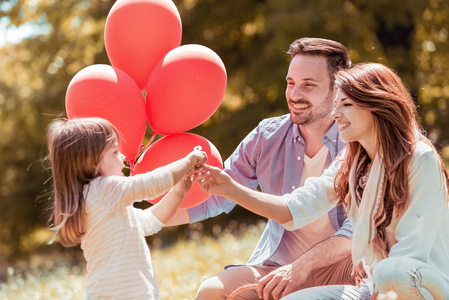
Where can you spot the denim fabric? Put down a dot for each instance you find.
(410, 279)
(332, 292)
(272, 157)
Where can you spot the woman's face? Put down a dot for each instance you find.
(112, 162)
(355, 124)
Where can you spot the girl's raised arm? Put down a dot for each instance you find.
(168, 205)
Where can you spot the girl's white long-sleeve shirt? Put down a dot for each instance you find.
(118, 258)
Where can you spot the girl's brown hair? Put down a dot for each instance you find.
(379, 89)
(75, 151)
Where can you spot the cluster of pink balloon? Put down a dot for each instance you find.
(184, 86)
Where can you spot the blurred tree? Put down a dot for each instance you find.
(35, 74)
(250, 36)
(430, 50)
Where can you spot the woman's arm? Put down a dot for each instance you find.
(217, 182)
(314, 199)
(303, 206)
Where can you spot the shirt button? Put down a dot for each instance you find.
(335, 141)
(299, 139)
(293, 187)
(298, 158)
(418, 215)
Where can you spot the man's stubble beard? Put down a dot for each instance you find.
(313, 117)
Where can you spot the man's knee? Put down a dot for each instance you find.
(223, 284)
(211, 288)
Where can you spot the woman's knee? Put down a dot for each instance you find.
(389, 270)
(409, 278)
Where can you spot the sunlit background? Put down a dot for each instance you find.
(44, 43)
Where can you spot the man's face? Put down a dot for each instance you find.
(308, 93)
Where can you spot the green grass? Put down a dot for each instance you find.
(179, 269)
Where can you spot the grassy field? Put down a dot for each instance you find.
(179, 269)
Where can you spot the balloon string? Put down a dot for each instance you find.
(144, 148)
(131, 166)
(132, 162)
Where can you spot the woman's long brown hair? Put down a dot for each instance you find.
(75, 151)
(377, 88)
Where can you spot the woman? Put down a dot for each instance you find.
(390, 179)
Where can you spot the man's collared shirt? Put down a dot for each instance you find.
(272, 157)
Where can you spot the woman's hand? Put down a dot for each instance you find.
(214, 181)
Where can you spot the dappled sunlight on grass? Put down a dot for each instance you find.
(179, 269)
(64, 282)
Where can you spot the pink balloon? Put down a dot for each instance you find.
(174, 147)
(140, 32)
(109, 93)
(185, 89)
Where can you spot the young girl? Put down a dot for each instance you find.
(93, 206)
(390, 179)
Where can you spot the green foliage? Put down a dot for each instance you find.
(250, 36)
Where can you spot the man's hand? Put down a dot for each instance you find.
(282, 281)
(289, 278)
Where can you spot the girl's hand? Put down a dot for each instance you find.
(184, 185)
(213, 180)
(192, 163)
(197, 158)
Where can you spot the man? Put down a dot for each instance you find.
(278, 156)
